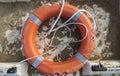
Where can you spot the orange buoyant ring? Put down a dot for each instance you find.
(29, 33)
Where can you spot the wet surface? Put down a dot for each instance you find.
(62, 38)
(106, 13)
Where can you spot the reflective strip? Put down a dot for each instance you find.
(35, 19)
(11, 74)
(1, 74)
(81, 58)
(37, 61)
(77, 16)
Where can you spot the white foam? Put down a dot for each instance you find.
(102, 20)
(12, 36)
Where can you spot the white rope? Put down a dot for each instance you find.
(66, 21)
(94, 22)
(69, 31)
(52, 39)
(63, 3)
(81, 24)
(33, 57)
(63, 25)
(67, 43)
(50, 45)
(81, 10)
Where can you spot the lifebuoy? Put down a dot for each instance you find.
(29, 33)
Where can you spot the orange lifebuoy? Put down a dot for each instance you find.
(29, 33)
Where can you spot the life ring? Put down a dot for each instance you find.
(29, 33)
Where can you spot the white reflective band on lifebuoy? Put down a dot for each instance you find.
(81, 58)
(76, 17)
(35, 19)
(38, 61)
(10, 74)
